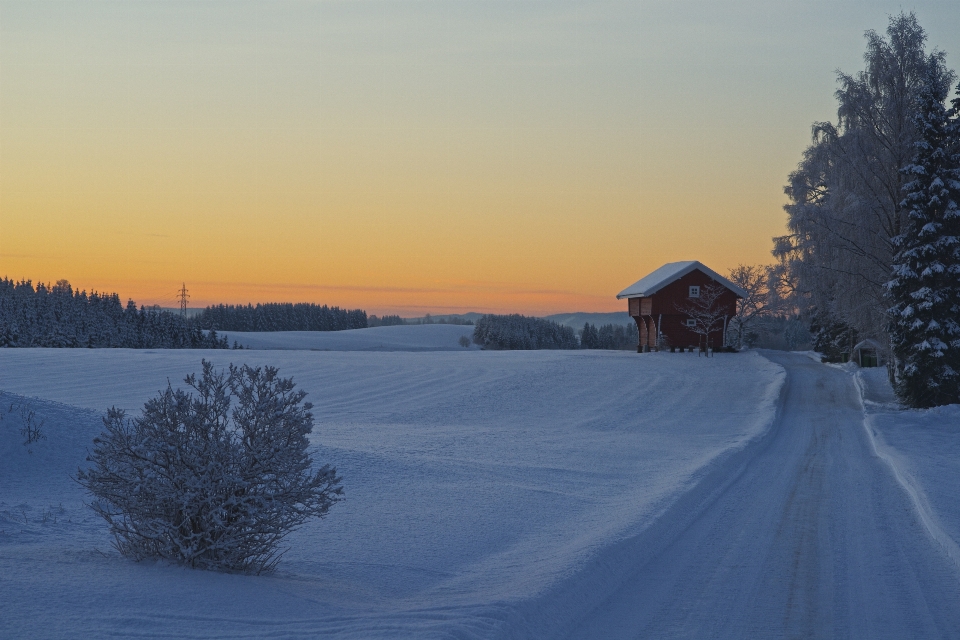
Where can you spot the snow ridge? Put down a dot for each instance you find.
(905, 479)
(552, 610)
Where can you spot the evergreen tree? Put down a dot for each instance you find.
(58, 316)
(925, 288)
(831, 336)
(589, 337)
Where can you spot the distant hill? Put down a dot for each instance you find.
(577, 320)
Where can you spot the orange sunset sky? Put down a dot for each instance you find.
(410, 157)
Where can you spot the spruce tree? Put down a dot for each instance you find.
(925, 288)
(589, 337)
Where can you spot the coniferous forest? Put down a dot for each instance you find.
(521, 332)
(58, 316)
(282, 316)
(609, 336)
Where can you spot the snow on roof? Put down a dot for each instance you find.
(671, 272)
(869, 343)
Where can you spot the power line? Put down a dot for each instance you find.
(183, 295)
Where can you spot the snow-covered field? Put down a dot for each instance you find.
(427, 337)
(475, 482)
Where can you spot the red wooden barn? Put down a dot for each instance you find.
(656, 301)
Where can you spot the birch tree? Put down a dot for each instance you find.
(845, 198)
(755, 280)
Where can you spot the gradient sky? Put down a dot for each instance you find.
(410, 157)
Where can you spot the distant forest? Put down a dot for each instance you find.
(609, 336)
(517, 332)
(58, 316)
(521, 332)
(390, 321)
(280, 316)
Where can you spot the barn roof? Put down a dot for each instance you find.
(671, 272)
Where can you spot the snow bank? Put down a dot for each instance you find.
(473, 480)
(923, 448)
(426, 337)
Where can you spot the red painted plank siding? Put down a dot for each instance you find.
(661, 308)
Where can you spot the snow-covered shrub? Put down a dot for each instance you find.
(32, 427)
(197, 481)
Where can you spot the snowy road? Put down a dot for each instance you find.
(805, 534)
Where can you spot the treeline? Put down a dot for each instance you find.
(874, 243)
(280, 316)
(428, 319)
(384, 321)
(517, 332)
(609, 336)
(390, 321)
(522, 332)
(58, 316)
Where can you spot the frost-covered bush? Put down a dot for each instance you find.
(207, 482)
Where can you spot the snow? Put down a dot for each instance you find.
(519, 494)
(671, 272)
(923, 449)
(804, 533)
(428, 337)
(475, 482)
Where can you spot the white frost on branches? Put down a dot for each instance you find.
(197, 481)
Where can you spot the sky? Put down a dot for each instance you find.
(410, 157)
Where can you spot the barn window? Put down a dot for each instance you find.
(691, 322)
(695, 291)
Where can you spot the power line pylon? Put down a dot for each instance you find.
(183, 295)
